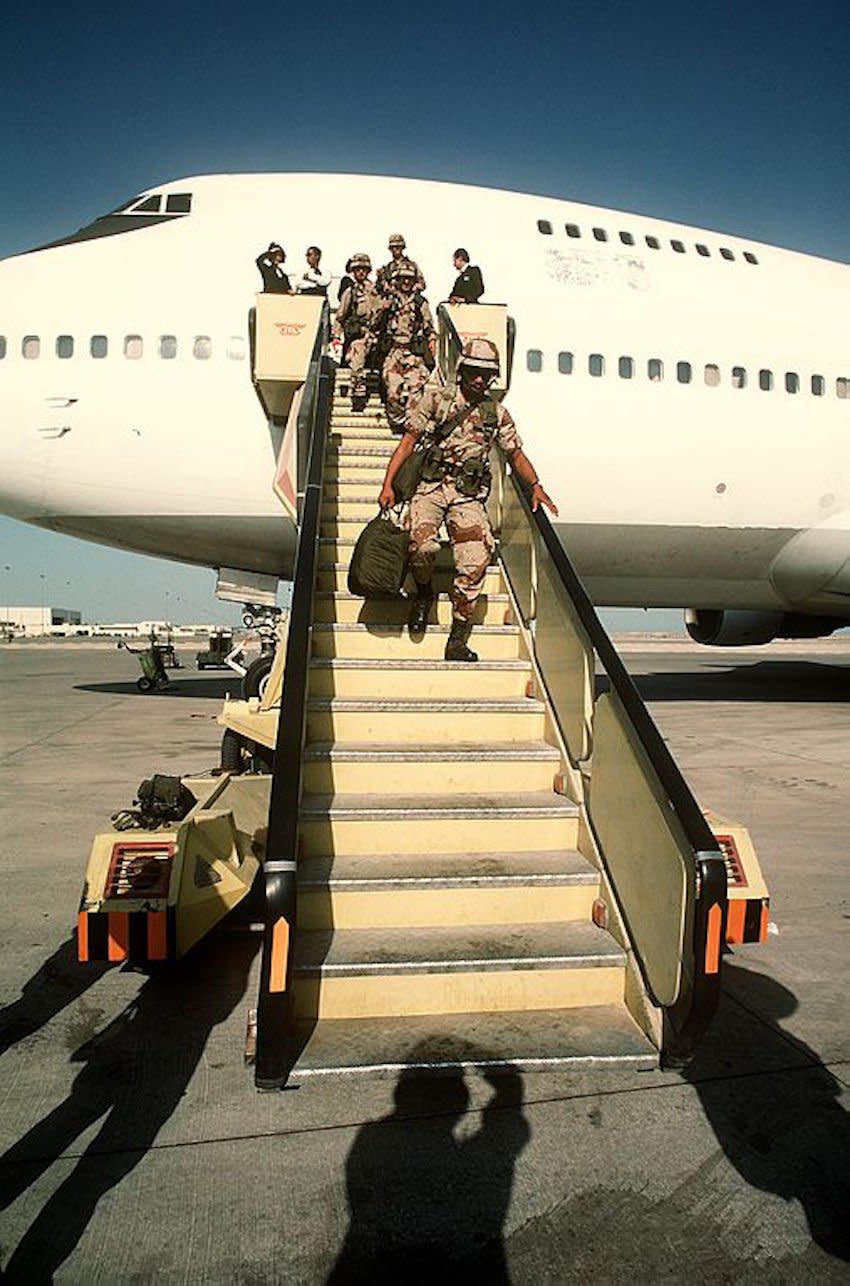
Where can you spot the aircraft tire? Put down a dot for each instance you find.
(144, 684)
(256, 676)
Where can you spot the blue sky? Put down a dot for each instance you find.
(723, 115)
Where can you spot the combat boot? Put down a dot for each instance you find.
(421, 609)
(456, 649)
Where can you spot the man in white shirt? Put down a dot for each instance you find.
(313, 281)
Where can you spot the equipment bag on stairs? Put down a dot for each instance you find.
(379, 562)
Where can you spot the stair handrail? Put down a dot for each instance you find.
(699, 991)
(275, 1007)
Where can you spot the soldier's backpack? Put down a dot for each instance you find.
(379, 562)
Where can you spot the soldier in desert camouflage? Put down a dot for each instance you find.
(459, 426)
(385, 281)
(410, 337)
(356, 319)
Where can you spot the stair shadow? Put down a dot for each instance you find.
(134, 1075)
(374, 613)
(783, 1129)
(423, 1201)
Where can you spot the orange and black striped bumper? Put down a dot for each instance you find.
(746, 920)
(140, 937)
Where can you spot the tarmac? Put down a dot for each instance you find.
(135, 1149)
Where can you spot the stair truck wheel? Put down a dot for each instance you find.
(233, 752)
(257, 676)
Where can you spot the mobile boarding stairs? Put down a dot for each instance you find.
(461, 865)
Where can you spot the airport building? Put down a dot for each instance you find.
(35, 622)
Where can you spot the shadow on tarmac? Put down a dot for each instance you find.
(784, 1131)
(135, 1074)
(427, 1204)
(764, 681)
(216, 689)
(57, 983)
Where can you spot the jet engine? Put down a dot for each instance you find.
(738, 628)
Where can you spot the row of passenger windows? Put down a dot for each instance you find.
(601, 234)
(739, 377)
(132, 347)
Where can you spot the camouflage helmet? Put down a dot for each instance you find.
(396, 240)
(481, 353)
(361, 260)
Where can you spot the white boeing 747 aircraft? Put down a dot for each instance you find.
(685, 395)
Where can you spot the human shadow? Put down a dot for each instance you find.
(782, 1128)
(790, 682)
(135, 1073)
(57, 983)
(425, 1204)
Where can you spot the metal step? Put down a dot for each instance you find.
(595, 1037)
(385, 640)
(411, 871)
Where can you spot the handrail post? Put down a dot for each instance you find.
(275, 1006)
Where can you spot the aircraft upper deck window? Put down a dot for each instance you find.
(726, 252)
(178, 203)
(168, 346)
(703, 250)
(765, 380)
(655, 370)
(683, 372)
(596, 364)
(600, 234)
(750, 257)
(712, 375)
(2, 347)
(626, 368)
(236, 348)
(534, 360)
(565, 363)
(792, 382)
(652, 242)
(544, 226)
(678, 246)
(627, 239)
(572, 229)
(98, 345)
(818, 385)
(133, 346)
(64, 345)
(739, 377)
(202, 347)
(149, 206)
(30, 347)
(842, 387)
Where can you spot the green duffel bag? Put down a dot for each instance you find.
(379, 562)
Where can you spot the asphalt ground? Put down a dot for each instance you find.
(135, 1149)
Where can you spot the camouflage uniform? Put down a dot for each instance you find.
(360, 302)
(409, 327)
(385, 277)
(437, 503)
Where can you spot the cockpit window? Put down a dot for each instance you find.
(149, 206)
(178, 203)
(125, 205)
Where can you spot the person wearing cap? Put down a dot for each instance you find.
(313, 281)
(385, 279)
(458, 426)
(469, 286)
(270, 264)
(355, 321)
(408, 334)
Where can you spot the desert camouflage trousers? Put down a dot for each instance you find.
(404, 373)
(358, 351)
(470, 534)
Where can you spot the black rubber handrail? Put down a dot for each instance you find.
(275, 1007)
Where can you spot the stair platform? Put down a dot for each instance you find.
(595, 1037)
